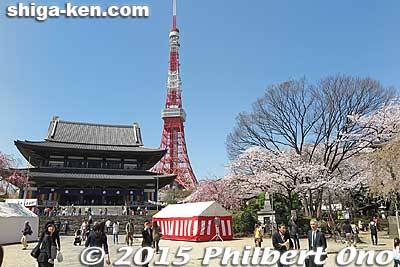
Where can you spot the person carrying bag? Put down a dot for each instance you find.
(46, 251)
(27, 231)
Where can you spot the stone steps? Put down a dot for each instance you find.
(74, 222)
(111, 210)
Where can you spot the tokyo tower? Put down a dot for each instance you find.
(176, 160)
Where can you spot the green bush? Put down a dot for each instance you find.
(304, 224)
(243, 222)
(245, 219)
(324, 226)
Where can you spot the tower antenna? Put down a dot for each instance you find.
(173, 14)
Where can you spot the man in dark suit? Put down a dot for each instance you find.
(147, 240)
(281, 241)
(316, 239)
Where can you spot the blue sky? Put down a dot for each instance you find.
(114, 70)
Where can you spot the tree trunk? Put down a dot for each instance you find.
(319, 204)
(330, 209)
(306, 206)
(311, 203)
(290, 202)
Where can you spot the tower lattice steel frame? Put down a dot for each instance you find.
(176, 160)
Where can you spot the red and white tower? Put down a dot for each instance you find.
(176, 160)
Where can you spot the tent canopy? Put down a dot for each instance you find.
(12, 220)
(15, 210)
(209, 208)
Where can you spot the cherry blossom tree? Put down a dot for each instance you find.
(384, 174)
(18, 178)
(222, 191)
(285, 173)
(259, 170)
(5, 164)
(378, 127)
(312, 118)
(380, 131)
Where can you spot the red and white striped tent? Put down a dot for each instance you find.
(194, 221)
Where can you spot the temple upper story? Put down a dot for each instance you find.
(92, 146)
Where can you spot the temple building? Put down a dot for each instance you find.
(92, 164)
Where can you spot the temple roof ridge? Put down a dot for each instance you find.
(97, 124)
(94, 133)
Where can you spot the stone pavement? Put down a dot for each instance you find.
(15, 257)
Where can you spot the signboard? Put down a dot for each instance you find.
(346, 215)
(28, 202)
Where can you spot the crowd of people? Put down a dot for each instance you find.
(285, 239)
(72, 210)
(348, 232)
(92, 233)
(48, 248)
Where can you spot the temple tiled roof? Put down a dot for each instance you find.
(90, 139)
(93, 134)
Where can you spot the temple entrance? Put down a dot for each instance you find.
(92, 199)
(114, 200)
(66, 199)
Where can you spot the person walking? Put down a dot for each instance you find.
(374, 231)
(97, 238)
(294, 232)
(66, 227)
(348, 231)
(396, 252)
(316, 239)
(55, 235)
(156, 236)
(129, 229)
(147, 240)
(90, 221)
(258, 235)
(84, 229)
(355, 231)
(47, 248)
(108, 226)
(281, 242)
(115, 232)
(25, 232)
(375, 219)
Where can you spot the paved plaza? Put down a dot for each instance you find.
(15, 257)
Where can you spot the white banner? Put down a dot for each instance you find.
(28, 202)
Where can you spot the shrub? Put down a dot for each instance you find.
(243, 222)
